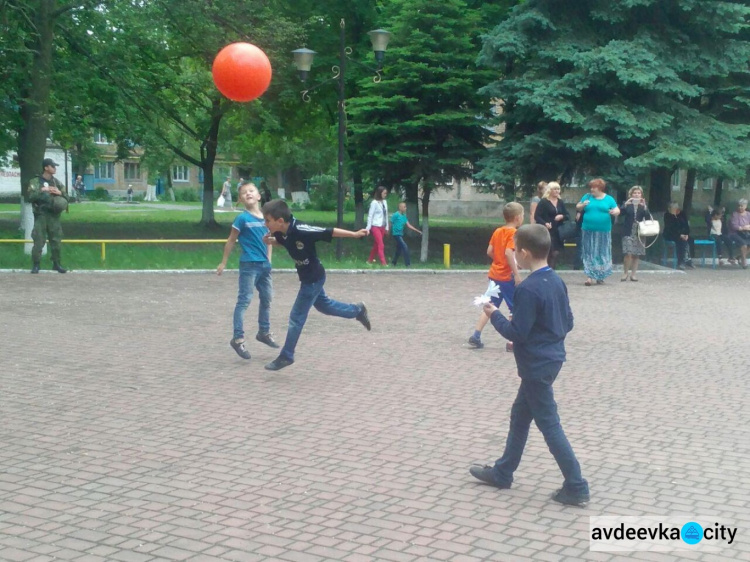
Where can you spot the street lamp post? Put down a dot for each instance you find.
(303, 61)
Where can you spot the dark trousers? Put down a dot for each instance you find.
(684, 250)
(312, 295)
(536, 402)
(401, 248)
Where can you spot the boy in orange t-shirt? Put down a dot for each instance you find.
(504, 271)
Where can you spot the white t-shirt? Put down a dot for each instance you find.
(716, 227)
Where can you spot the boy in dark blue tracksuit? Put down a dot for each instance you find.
(541, 320)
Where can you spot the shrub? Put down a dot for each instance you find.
(323, 192)
(187, 195)
(10, 199)
(99, 194)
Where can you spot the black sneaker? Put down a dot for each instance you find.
(487, 475)
(565, 497)
(35, 268)
(475, 342)
(363, 318)
(60, 269)
(267, 339)
(240, 348)
(279, 363)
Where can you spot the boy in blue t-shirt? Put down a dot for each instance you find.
(255, 269)
(541, 320)
(398, 222)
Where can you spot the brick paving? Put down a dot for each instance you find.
(131, 431)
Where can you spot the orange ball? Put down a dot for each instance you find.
(241, 71)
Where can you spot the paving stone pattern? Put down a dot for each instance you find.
(131, 432)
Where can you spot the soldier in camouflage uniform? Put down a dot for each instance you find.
(49, 199)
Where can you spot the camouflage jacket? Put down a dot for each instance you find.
(41, 201)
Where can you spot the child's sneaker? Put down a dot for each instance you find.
(487, 475)
(565, 497)
(239, 347)
(267, 339)
(279, 363)
(362, 317)
(475, 343)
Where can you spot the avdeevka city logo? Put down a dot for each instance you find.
(657, 533)
(692, 533)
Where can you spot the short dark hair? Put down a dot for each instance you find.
(534, 238)
(277, 209)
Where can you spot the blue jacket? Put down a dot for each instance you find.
(541, 320)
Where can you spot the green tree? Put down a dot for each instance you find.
(601, 87)
(156, 58)
(425, 122)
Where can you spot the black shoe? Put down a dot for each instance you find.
(475, 342)
(239, 347)
(363, 318)
(689, 265)
(60, 269)
(35, 268)
(279, 363)
(565, 497)
(267, 339)
(487, 475)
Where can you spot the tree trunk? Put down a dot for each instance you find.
(687, 202)
(426, 191)
(34, 109)
(412, 203)
(660, 189)
(718, 191)
(208, 157)
(359, 200)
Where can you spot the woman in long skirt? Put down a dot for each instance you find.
(596, 232)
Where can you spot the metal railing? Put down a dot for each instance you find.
(104, 243)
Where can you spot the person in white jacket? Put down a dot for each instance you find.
(377, 224)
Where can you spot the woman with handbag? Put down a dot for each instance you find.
(634, 210)
(596, 232)
(551, 213)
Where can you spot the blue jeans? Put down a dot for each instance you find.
(401, 247)
(254, 274)
(312, 295)
(536, 401)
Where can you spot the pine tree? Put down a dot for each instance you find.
(424, 123)
(618, 87)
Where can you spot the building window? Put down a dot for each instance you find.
(99, 138)
(708, 184)
(104, 171)
(132, 171)
(180, 173)
(676, 180)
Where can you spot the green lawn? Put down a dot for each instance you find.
(94, 221)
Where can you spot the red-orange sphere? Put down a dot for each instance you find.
(241, 71)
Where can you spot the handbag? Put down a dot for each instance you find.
(220, 201)
(567, 230)
(647, 228)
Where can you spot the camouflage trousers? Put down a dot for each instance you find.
(46, 227)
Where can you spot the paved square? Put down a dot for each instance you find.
(132, 432)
